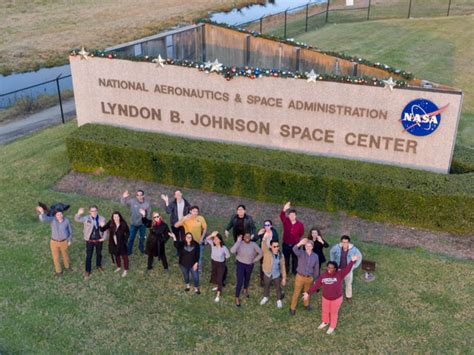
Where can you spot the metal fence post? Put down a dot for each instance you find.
(368, 10)
(327, 11)
(284, 33)
(261, 24)
(449, 7)
(409, 10)
(306, 19)
(59, 97)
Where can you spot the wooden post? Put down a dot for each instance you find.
(306, 19)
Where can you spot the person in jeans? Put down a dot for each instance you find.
(177, 209)
(307, 271)
(269, 232)
(293, 230)
(157, 237)
(319, 243)
(273, 269)
(188, 259)
(136, 225)
(61, 237)
(331, 281)
(196, 225)
(118, 238)
(240, 223)
(94, 237)
(342, 254)
(248, 253)
(219, 254)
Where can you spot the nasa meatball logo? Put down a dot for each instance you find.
(421, 117)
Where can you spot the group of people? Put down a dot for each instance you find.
(299, 256)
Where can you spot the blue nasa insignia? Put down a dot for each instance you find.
(421, 117)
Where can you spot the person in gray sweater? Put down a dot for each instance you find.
(136, 225)
(248, 253)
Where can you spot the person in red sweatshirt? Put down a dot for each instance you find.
(331, 281)
(293, 230)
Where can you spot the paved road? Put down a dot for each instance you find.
(37, 121)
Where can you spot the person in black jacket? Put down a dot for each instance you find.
(241, 223)
(177, 209)
(118, 239)
(157, 237)
(319, 243)
(188, 251)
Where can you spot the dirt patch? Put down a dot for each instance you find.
(219, 205)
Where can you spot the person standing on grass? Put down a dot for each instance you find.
(61, 237)
(342, 254)
(196, 225)
(240, 223)
(157, 237)
(188, 252)
(273, 269)
(93, 236)
(331, 281)
(219, 254)
(118, 238)
(248, 253)
(319, 243)
(177, 209)
(269, 232)
(136, 224)
(293, 230)
(307, 272)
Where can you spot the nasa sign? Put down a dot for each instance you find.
(402, 127)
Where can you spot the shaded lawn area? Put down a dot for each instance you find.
(420, 302)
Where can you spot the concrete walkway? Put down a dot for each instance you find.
(37, 121)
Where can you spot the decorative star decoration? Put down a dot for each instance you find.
(216, 66)
(207, 64)
(312, 76)
(159, 61)
(83, 54)
(389, 83)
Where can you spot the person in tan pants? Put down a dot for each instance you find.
(61, 237)
(306, 272)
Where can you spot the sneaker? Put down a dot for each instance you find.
(100, 269)
(117, 269)
(279, 304)
(58, 274)
(330, 331)
(263, 301)
(292, 312)
(237, 302)
(217, 299)
(125, 272)
(308, 308)
(87, 275)
(322, 325)
(197, 291)
(214, 289)
(349, 300)
(187, 288)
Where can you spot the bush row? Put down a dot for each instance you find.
(373, 191)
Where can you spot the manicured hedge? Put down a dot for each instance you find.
(379, 192)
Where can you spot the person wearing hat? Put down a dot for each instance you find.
(93, 236)
(61, 237)
(306, 272)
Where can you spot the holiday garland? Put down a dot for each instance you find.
(230, 72)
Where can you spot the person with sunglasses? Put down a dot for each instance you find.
(269, 232)
(136, 225)
(274, 270)
(157, 237)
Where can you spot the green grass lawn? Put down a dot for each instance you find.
(420, 302)
(435, 49)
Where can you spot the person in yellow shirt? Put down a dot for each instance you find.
(196, 225)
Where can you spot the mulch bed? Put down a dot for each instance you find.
(220, 205)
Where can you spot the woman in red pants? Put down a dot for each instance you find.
(331, 281)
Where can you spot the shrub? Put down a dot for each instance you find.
(373, 191)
